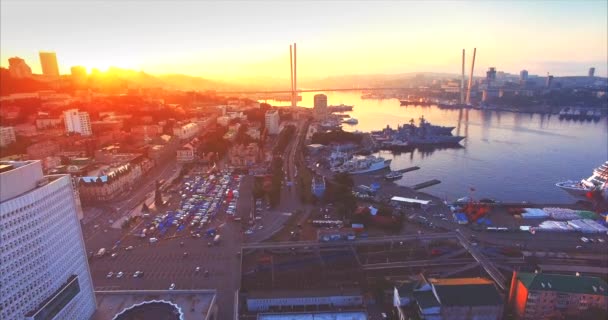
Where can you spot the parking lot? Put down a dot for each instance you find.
(177, 229)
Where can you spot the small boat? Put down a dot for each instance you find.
(351, 121)
(393, 175)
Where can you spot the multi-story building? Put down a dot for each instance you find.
(79, 74)
(48, 61)
(113, 181)
(320, 106)
(77, 122)
(7, 136)
(542, 295)
(43, 262)
(17, 68)
(272, 121)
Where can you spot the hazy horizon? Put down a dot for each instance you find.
(240, 40)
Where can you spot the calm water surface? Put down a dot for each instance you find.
(506, 156)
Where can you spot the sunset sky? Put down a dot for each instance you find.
(223, 40)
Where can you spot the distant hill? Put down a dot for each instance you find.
(370, 80)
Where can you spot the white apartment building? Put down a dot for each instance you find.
(7, 136)
(77, 122)
(186, 131)
(43, 262)
(272, 121)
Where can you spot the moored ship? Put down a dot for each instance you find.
(363, 164)
(582, 189)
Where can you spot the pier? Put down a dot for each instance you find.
(426, 184)
(408, 169)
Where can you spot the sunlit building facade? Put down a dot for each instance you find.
(77, 122)
(272, 121)
(48, 61)
(17, 68)
(43, 263)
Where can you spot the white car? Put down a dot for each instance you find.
(110, 274)
(600, 240)
(129, 248)
(172, 286)
(119, 275)
(585, 240)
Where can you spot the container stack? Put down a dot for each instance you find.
(555, 226)
(587, 226)
(562, 213)
(534, 213)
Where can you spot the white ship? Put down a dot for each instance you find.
(580, 189)
(363, 164)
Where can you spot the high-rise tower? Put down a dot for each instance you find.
(44, 270)
(48, 61)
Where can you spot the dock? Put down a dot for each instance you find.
(426, 184)
(408, 169)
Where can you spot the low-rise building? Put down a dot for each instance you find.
(25, 130)
(156, 304)
(7, 136)
(457, 298)
(258, 301)
(111, 181)
(540, 295)
(244, 156)
(186, 131)
(186, 153)
(47, 122)
(318, 186)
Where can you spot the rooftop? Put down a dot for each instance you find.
(468, 294)
(151, 310)
(269, 294)
(352, 315)
(563, 283)
(193, 304)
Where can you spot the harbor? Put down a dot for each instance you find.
(496, 145)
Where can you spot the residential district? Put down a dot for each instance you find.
(129, 203)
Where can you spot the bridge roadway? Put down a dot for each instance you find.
(487, 265)
(309, 90)
(302, 244)
(432, 263)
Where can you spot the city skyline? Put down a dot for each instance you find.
(194, 43)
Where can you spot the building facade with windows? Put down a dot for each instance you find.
(43, 262)
(77, 122)
(272, 121)
(7, 136)
(540, 295)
